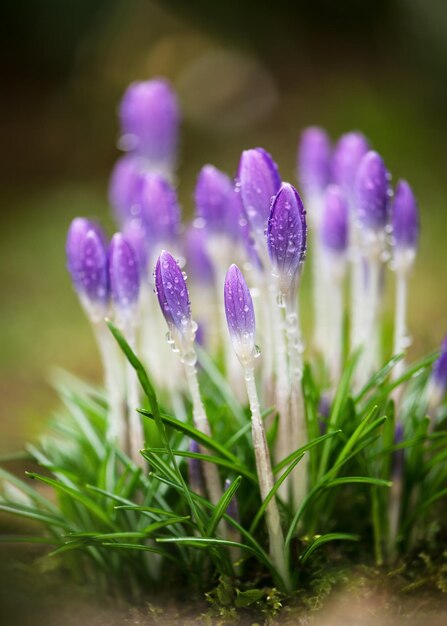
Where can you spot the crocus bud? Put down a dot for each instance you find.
(287, 237)
(313, 160)
(213, 196)
(348, 152)
(136, 234)
(372, 192)
(124, 186)
(240, 315)
(259, 181)
(198, 261)
(405, 217)
(173, 297)
(150, 116)
(87, 263)
(124, 278)
(438, 381)
(334, 221)
(160, 209)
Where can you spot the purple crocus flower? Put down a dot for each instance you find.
(136, 234)
(287, 236)
(160, 210)
(87, 263)
(240, 314)
(124, 275)
(405, 217)
(313, 160)
(372, 192)
(259, 181)
(199, 263)
(124, 186)
(335, 221)
(150, 117)
(172, 293)
(213, 197)
(348, 152)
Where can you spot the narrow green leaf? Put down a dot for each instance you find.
(222, 506)
(322, 539)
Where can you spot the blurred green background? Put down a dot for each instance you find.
(248, 73)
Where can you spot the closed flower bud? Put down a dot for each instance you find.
(287, 236)
(259, 181)
(124, 276)
(136, 234)
(87, 263)
(334, 221)
(314, 157)
(405, 217)
(173, 294)
(124, 186)
(240, 315)
(349, 151)
(214, 197)
(372, 192)
(150, 117)
(199, 263)
(160, 209)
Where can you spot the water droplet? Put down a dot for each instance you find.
(256, 352)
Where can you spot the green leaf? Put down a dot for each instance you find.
(222, 506)
(34, 514)
(305, 448)
(248, 597)
(322, 539)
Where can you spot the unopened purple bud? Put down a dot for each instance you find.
(314, 157)
(372, 192)
(124, 275)
(240, 314)
(349, 151)
(335, 220)
(232, 508)
(198, 261)
(172, 292)
(213, 195)
(87, 263)
(259, 181)
(405, 217)
(124, 187)
(439, 375)
(150, 117)
(287, 236)
(136, 234)
(159, 208)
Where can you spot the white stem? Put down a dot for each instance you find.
(335, 272)
(370, 336)
(400, 321)
(298, 434)
(319, 292)
(136, 433)
(113, 380)
(211, 474)
(265, 476)
(357, 290)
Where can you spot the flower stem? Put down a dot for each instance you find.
(400, 321)
(265, 477)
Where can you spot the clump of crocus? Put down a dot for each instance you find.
(173, 297)
(241, 325)
(150, 117)
(405, 234)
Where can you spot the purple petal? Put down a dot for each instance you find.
(172, 292)
(124, 275)
(136, 234)
(348, 152)
(287, 235)
(335, 220)
(239, 306)
(440, 368)
(259, 181)
(198, 261)
(124, 186)
(160, 209)
(372, 192)
(213, 197)
(150, 117)
(405, 217)
(87, 260)
(314, 154)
